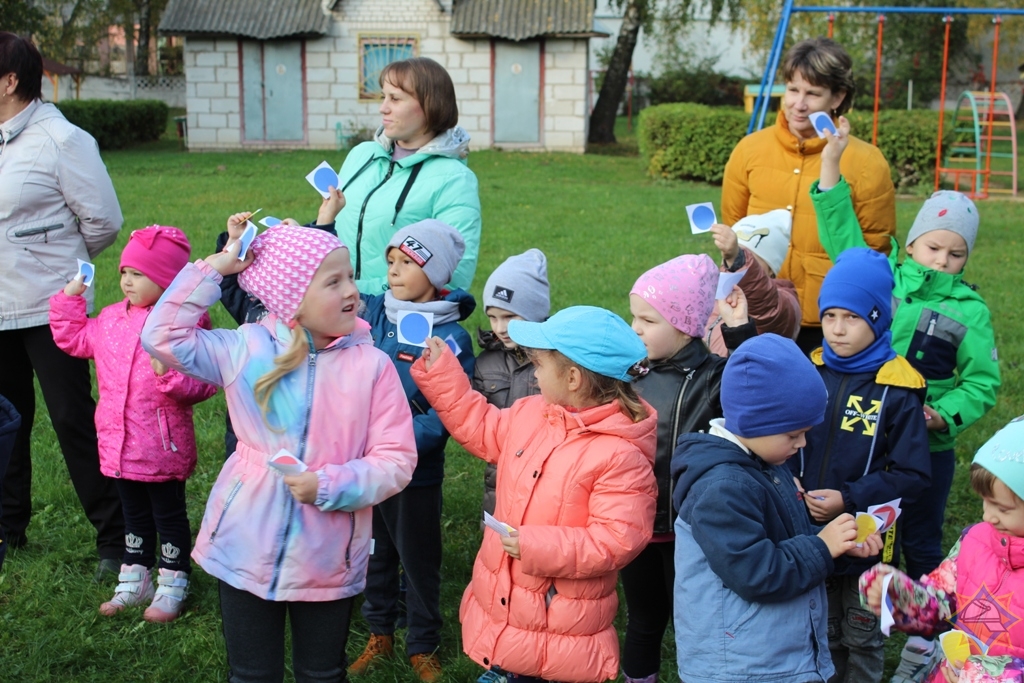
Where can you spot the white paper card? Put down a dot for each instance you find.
(887, 619)
(414, 327)
(87, 271)
(286, 463)
(321, 178)
(246, 239)
(452, 344)
(500, 528)
(702, 217)
(822, 122)
(726, 281)
(888, 513)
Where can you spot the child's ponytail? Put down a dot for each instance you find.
(287, 362)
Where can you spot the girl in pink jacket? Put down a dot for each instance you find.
(575, 495)
(147, 443)
(305, 380)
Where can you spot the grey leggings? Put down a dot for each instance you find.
(254, 634)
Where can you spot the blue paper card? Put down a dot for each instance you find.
(87, 271)
(269, 221)
(414, 327)
(823, 122)
(452, 344)
(322, 178)
(702, 217)
(246, 239)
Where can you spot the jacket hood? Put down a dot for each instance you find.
(452, 143)
(609, 419)
(35, 111)
(489, 341)
(696, 454)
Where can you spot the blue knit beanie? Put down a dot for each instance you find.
(770, 387)
(861, 282)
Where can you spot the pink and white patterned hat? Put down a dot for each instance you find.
(682, 291)
(286, 258)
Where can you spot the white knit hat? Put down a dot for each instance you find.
(767, 235)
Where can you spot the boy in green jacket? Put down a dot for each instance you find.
(944, 328)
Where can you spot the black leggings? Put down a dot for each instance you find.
(151, 508)
(647, 582)
(254, 634)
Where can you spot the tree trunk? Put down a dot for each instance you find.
(142, 54)
(602, 120)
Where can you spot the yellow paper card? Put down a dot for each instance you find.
(956, 647)
(866, 525)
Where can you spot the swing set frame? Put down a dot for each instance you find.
(761, 104)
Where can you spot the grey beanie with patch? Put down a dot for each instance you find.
(947, 210)
(434, 246)
(520, 286)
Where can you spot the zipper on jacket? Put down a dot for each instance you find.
(291, 499)
(27, 232)
(362, 213)
(351, 535)
(675, 437)
(163, 424)
(224, 509)
(840, 396)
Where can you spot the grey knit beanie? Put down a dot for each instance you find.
(520, 285)
(435, 246)
(947, 210)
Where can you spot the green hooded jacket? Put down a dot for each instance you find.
(382, 195)
(940, 324)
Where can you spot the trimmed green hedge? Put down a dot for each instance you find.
(693, 142)
(118, 123)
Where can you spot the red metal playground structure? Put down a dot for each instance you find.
(988, 115)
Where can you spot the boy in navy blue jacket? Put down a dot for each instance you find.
(407, 527)
(749, 593)
(872, 446)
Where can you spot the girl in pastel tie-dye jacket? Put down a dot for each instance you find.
(306, 379)
(978, 589)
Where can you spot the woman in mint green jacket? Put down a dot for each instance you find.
(942, 326)
(414, 168)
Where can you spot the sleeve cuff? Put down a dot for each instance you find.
(322, 493)
(209, 271)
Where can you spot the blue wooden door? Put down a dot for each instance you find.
(517, 92)
(273, 95)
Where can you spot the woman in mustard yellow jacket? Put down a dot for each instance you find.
(774, 168)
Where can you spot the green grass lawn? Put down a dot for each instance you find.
(600, 220)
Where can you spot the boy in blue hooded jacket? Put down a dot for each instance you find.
(749, 595)
(872, 446)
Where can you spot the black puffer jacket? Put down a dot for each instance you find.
(10, 422)
(686, 392)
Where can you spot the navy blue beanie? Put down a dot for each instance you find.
(770, 387)
(861, 282)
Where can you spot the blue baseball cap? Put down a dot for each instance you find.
(591, 337)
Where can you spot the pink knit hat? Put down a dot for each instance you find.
(158, 252)
(285, 259)
(682, 291)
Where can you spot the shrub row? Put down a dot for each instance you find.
(118, 123)
(693, 141)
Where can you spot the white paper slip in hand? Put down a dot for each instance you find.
(414, 327)
(702, 217)
(322, 178)
(887, 619)
(502, 529)
(246, 239)
(87, 271)
(726, 281)
(822, 122)
(286, 463)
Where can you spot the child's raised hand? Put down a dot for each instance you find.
(435, 349)
(236, 225)
(226, 262)
(726, 242)
(511, 544)
(840, 535)
(824, 504)
(835, 145)
(76, 287)
(733, 308)
(158, 368)
(332, 205)
(874, 591)
(303, 486)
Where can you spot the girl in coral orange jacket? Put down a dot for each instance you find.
(576, 495)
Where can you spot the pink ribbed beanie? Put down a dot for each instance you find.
(682, 291)
(286, 258)
(158, 252)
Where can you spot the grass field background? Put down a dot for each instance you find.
(600, 221)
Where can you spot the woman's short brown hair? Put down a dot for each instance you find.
(19, 56)
(430, 84)
(824, 63)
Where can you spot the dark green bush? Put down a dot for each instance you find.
(695, 84)
(693, 142)
(118, 123)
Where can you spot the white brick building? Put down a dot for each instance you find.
(302, 73)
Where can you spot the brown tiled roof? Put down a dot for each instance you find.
(522, 19)
(259, 19)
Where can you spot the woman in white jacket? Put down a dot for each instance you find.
(57, 204)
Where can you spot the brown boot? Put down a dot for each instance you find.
(377, 648)
(427, 666)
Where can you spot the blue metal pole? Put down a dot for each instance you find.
(917, 10)
(773, 65)
(766, 76)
